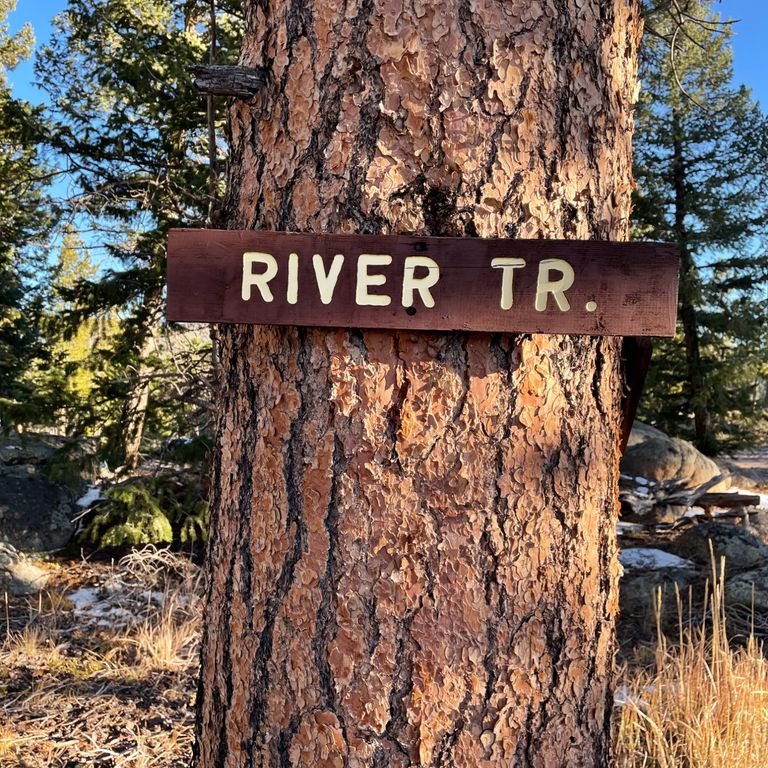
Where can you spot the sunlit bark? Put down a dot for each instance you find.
(412, 557)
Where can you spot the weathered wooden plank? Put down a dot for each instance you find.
(228, 80)
(424, 283)
(725, 500)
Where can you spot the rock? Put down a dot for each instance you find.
(685, 563)
(642, 432)
(740, 548)
(665, 513)
(637, 597)
(35, 515)
(758, 524)
(749, 589)
(29, 449)
(18, 575)
(40, 477)
(660, 458)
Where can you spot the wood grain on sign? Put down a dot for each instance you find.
(424, 283)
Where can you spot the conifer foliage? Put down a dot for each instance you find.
(132, 131)
(701, 156)
(24, 218)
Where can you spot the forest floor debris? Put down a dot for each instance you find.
(100, 668)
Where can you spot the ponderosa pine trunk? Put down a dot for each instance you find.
(412, 558)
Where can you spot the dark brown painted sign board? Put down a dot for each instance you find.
(422, 283)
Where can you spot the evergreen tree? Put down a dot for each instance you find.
(701, 152)
(76, 342)
(25, 219)
(133, 131)
(412, 551)
(74, 350)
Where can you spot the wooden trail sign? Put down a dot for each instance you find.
(424, 283)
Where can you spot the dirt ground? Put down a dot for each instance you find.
(99, 670)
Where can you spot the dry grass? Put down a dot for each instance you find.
(30, 643)
(168, 640)
(112, 686)
(75, 692)
(704, 704)
(167, 636)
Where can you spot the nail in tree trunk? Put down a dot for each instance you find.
(412, 558)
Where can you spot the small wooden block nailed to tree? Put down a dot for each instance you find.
(427, 283)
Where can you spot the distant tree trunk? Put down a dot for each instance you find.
(132, 418)
(688, 296)
(134, 410)
(412, 557)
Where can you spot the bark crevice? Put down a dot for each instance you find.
(412, 555)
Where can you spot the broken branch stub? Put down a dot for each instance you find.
(228, 80)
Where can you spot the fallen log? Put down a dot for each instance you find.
(727, 500)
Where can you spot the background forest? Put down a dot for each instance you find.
(126, 148)
(100, 395)
(92, 182)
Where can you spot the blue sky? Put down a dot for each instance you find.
(750, 52)
(749, 44)
(39, 13)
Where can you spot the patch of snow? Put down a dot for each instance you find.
(699, 512)
(110, 613)
(629, 527)
(91, 495)
(88, 605)
(623, 697)
(647, 558)
(83, 598)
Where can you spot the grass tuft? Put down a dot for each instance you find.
(167, 640)
(704, 703)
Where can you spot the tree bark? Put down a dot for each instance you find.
(412, 557)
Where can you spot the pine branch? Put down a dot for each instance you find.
(678, 12)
